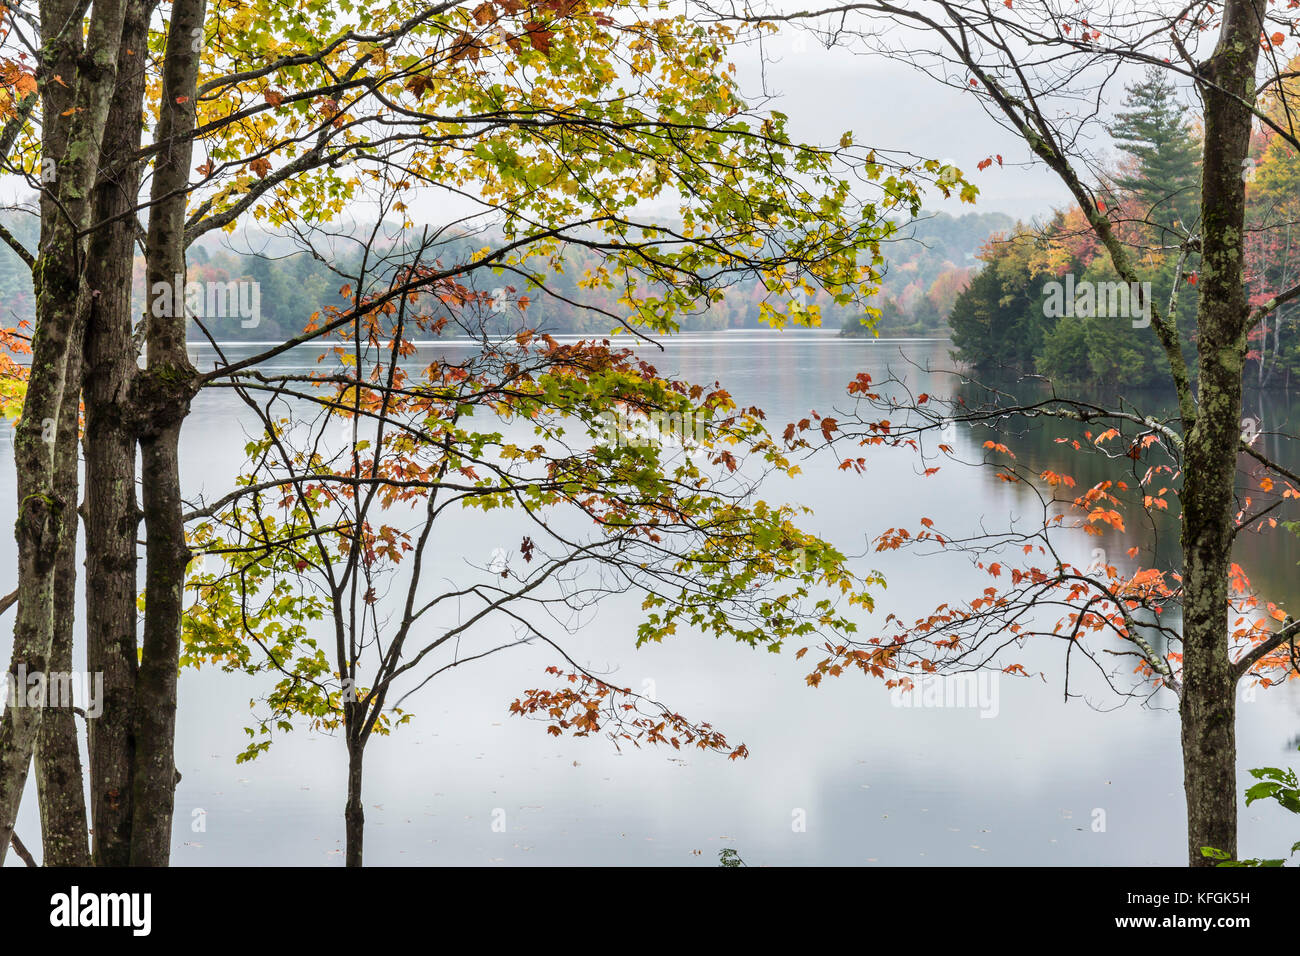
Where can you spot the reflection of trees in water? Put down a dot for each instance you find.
(1064, 476)
(1269, 558)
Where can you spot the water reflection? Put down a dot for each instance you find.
(837, 775)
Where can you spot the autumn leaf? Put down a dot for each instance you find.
(539, 36)
(420, 84)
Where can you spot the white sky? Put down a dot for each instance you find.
(890, 105)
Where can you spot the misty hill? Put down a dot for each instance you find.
(929, 263)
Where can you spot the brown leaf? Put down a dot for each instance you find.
(539, 36)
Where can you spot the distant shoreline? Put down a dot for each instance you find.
(674, 338)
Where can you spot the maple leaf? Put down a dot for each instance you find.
(464, 46)
(420, 84)
(539, 36)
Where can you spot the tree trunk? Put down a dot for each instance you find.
(64, 836)
(354, 814)
(112, 512)
(76, 85)
(1208, 706)
(163, 392)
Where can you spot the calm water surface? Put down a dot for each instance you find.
(871, 783)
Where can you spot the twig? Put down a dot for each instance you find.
(22, 851)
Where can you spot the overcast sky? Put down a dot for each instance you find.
(890, 105)
(887, 105)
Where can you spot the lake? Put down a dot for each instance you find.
(836, 775)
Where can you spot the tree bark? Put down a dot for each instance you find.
(162, 395)
(112, 512)
(64, 837)
(354, 814)
(72, 136)
(1208, 704)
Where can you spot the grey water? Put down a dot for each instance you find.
(836, 774)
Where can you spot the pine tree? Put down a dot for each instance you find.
(1164, 176)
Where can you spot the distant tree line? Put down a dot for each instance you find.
(930, 260)
(1018, 313)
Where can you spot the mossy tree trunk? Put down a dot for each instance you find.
(73, 120)
(112, 511)
(162, 396)
(1208, 705)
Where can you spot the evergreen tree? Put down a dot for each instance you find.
(998, 320)
(1164, 175)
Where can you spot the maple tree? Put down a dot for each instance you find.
(547, 125)
(1040, 71)
(329, 579)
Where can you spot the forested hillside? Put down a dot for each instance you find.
(1008, 317)
(15, 275)
(930, 261)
